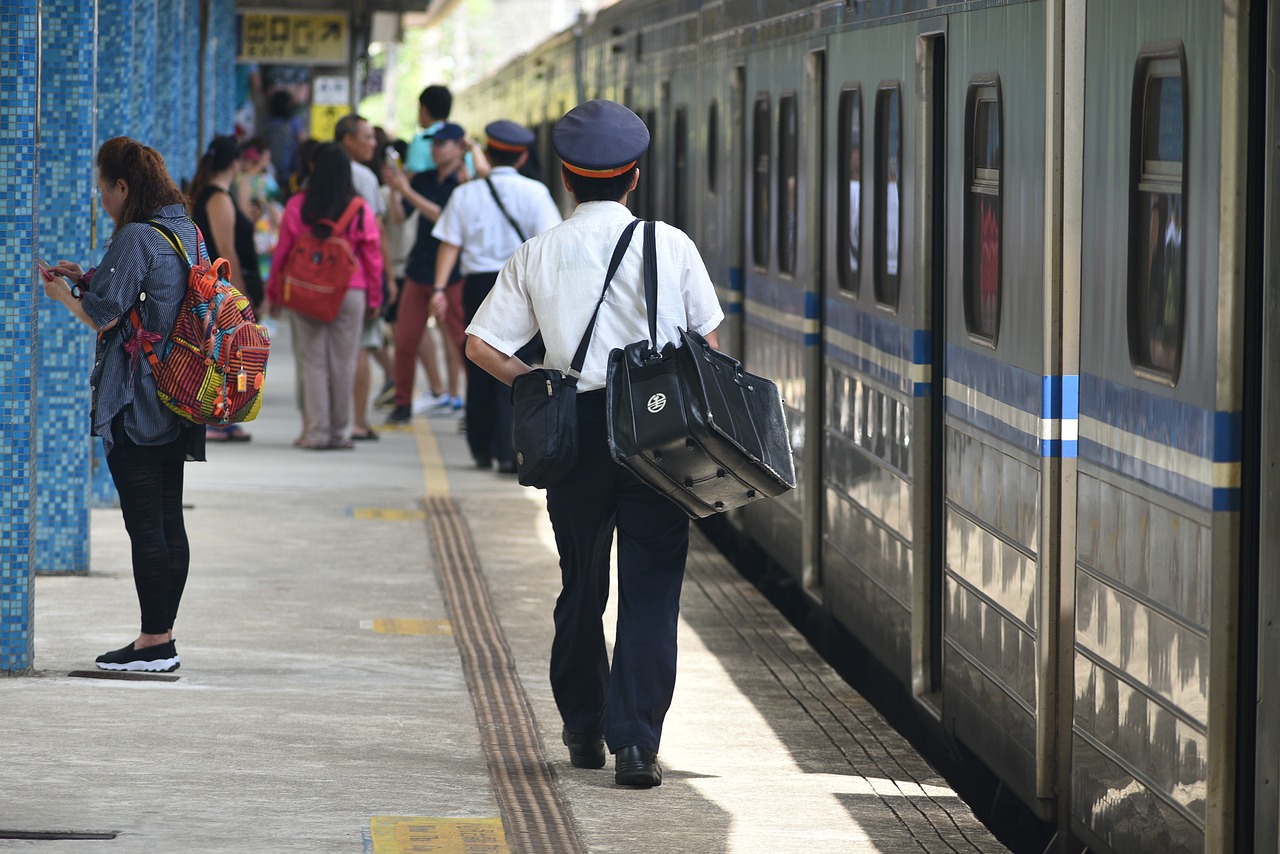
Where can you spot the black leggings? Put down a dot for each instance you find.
(151, 502)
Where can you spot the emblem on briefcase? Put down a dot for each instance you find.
(656, 403)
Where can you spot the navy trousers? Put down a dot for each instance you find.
(628, 701)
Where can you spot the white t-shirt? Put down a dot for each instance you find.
(552, 283)
(471, 218)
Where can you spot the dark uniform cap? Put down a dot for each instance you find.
(448, 132)
(508, 136)
(600, 139)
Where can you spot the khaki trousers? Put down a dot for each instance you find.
(327, 357)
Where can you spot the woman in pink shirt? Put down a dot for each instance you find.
(327, 351)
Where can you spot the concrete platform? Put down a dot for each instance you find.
(323, 705)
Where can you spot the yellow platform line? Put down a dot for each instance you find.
(388, 514)
(434, 477)
(401, 834)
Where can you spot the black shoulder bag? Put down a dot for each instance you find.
(688, 421)
(545, 420)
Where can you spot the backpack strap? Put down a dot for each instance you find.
(344, 222)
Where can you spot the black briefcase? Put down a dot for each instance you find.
(691, 423)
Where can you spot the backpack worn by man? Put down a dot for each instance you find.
(318, 270)
(215, 361)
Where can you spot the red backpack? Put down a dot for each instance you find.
(214, 363)
(318, 270)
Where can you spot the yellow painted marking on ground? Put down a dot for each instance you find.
(388, 514)
(400, 834)
(401, 626)
(435, 478)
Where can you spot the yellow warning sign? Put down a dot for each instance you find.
(397, 834)
(324, 118)
(297, 38)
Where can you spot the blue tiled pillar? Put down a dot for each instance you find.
(63, 446)
(222, 26)
(170, 89)
(144, 79)
(189, 83)
(19, 236)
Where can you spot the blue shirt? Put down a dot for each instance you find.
(139, 260)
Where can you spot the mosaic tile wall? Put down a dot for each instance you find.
(171, 89)
(143, 86)
(189, 153)
(19, 236)
(63, 446)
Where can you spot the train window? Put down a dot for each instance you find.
(760, 184)
(1157, 265)
(983, 216)
(849, 203)
(788, 176)
(887, 211)
(680, 174)
(713, 145)
(648, 202)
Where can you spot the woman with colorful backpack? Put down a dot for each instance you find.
(145, 442)
(327, 269)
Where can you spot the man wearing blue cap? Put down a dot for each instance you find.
(551, 285)
(427, 192)
(482, 224)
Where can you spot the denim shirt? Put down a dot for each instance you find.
(139, 261)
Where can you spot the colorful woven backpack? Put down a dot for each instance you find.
(215, 361)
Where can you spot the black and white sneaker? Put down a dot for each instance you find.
(162, 658)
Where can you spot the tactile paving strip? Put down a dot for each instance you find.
(534, 815)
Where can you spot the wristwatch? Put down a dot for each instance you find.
(76, 291)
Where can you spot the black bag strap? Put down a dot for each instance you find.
(493, 190)
(580, 357)
(651, 282)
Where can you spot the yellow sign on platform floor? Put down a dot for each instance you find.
(398, 834)
(297, 38)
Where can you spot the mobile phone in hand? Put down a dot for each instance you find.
(46, 269)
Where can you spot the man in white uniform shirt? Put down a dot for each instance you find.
(551, 285)
(483, 223)
(356, 137)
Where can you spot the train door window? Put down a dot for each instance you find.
(888, 210)
(713, 145)
(762, 157)
(680, 174)
(849, 201)
(788, 177)
(1157, 265)
(983, 220)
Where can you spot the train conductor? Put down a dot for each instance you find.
(483, 223)
(551, 285)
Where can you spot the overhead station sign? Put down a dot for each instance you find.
(295, 38)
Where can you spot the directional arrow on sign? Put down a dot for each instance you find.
(332, 32)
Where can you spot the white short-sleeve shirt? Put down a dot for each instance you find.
(366, 184)
(472, 220)
(551, 284)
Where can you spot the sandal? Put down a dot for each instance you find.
(367, 436)
(230, 433)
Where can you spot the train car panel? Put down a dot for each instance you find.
(1159, 440)
(779, 287)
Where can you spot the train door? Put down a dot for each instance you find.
(998, 438)
(781, 282)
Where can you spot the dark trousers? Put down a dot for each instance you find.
(628, 701)
(488, 413)
(151, 503)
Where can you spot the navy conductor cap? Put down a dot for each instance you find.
(448, 132)
(508, 136)
(600, 139)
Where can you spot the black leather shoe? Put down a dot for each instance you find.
(637, 766)
(585, 751)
